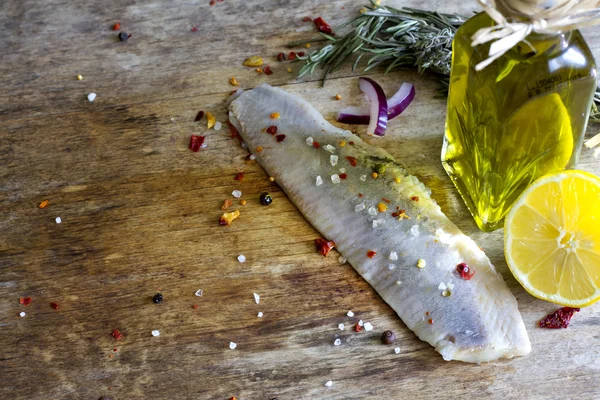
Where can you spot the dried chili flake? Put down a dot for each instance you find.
(357, 327)
(212, 2)
(116, 26)
(306, 19)
(233, 81)
(195, 306)
(54, 305)
(316, 144)
(25, 301)
(280, 138)
(267, 70)
(559, 318)
(199, 116)
(292, 55)
(233, 130)
(210, 120)
(301, 54)
(324, 246)
(323, 26)
(239, 176)
(196, 142)
(226, 204)
(360, 195)
(281, 57)
(351, 143)
(44, 204)
(253, 61)
(353, 161)
(194, 29)
(401, 214)
(371, 253)
(259, 149)
(465, 271)
(116, 334)
(343, 176)
(386, 200)
(414, 198)
(430, 321)
(272, 129)
(227, 218)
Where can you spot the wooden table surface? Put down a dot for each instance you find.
(139, 216)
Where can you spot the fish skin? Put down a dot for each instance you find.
(479, 322)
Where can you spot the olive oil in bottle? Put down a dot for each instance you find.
(522, 116)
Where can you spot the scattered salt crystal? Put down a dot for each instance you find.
(244, 146)
(375, 223)
(360, 323)
(256, 298)
(372, 211)
(155, 333)
(442, 286)
(333, 159)
(260, 314)
(368, 326)
(328, 383)
(329, 148)
(252, 157)
(22, 314)
(363, 178)
(342, 170)
(450, 285)
(204, 145)
(199, 292)
(319, 181)
(359, 207)
(597, 152)
(392, 266)
(335, 178)
(414, 230)
(172, 119)
(398, 283)
(393, 256)
(237, 194)
(341, 327)
(92, 97)
(242, 258)
(58, 220)
(309, 141)
(350, 314)
(468, 332)
(232, 345)
(218, 126)
(342, 260)
(337, 342)
(397, 350)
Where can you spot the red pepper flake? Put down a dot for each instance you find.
(306, 19)
(115, 349)
(239, 176)
(292, 55)
(199, 116)
(54, 305)
(559, 318)
(25, 301)
(360, 195)
(371, 253)
(44, 204)
(357, 327)
(351, 143)
(343, 176)
(386, 200)
(316, 144)
(196, 142)
(116, 334)
(430, 321)
(323, 26)
(272, 129)
(426, 312)
(280, 138)
(353, 161)
(401, 214)
(194, 29)
(226, 204)
(281, 57)
(323, 246)
(464, 271)
(212, 2)
(195, 306)
(267, 70)
(233, 130)
(301, 54)
(116, 26)
(415, 198)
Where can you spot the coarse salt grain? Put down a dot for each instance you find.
(350, 314)
(319, 180)
(372, 211)
(22, 314)
(328, 383)
(450, 285)
(237, 194)
(256, 298)
(397, 350)
(359, 207)
(91, 97)
(414, 230)
(393, 256)
(155, 333)
(199, 292)
(342, 170)
(232, 345)
(375, 223)
(337, 342)
(398, 283)
(309, 141)
(363, 178)
(252, 157)
(342, 260)
(260, 314)
(442, 286)
(329, 148)
(241, 258)
(361, 323)
(58, 220)
(392, 266)
(335, 178)
(333, 159)
(218, 126)
(368, 326)
(341, 327)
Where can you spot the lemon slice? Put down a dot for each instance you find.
(552, 238)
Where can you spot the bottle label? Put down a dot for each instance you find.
(547, 84)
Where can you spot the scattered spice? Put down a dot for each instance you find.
(353, 161)
(292, 55)
(324, 246)
(259, 70)
(79, 77)
(301, 54)
(464, 271)
(275, 115)
(343, 176)
(195, 306)
(233, 81)
(360, 195)
(351, 143)
(289, 70)
(233, 130)
(430, 321)
(123, 36)
(265, 199)
(226, 204)
(155, 333)
(259, 149)
(116, 334)
(239, 176)
(54, 305)
(91, 97)
(316, 144)
(116, 26)
(158, 298)
(271, 179)
(371, 253)
(338, 97)
(357, 327)
(196, 142)
(559, 318)
(380, 169)
(342, 143)
(323, 26)
(306, 19)
(212, 2)
(414, 198)
(44, 204)
(243, 202)
(400, 214)
(194, 29)
(25, 301)
(227, 218)
(386, 200)
(280, 138)
(272, 129)
(388, 337)
(421, 263)
(307, 45)
(398, 179)
(374, 175)
(210, 120)
(253, 61)
(199, 116)
(281, 57)
(382, 207)
(267, 70)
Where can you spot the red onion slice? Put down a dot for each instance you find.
(378, 107)
(396, 105)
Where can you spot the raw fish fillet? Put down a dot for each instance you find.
(474, 320)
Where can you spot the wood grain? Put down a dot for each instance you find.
(139, 216)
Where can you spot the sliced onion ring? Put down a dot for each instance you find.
(378, 107)
(396, 105)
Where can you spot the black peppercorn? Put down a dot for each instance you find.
(388, 337)
(265, 199)
(157, 298)
(123, 36)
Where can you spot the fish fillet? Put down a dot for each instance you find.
(473, 320)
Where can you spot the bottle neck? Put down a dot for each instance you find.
(538, 44)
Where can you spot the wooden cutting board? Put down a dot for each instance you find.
(140, 215)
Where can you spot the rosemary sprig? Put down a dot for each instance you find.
(393, 38)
